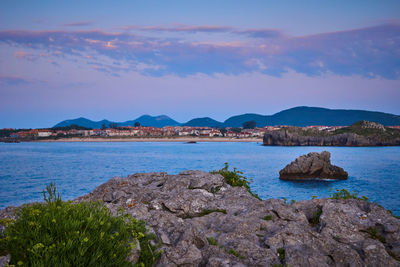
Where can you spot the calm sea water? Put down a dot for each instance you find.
(77, 168)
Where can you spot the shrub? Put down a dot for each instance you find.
(57, 233)
(344, 194)
(235, 178)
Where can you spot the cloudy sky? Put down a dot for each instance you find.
(122, 59)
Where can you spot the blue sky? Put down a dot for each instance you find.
(119, 60)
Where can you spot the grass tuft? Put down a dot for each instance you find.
(344, 194)
(316, 215)
(212, 241)
(235, 178)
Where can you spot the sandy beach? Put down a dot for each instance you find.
(152, 139)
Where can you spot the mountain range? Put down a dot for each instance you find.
(297, 116)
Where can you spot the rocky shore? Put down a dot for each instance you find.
(200, 220)
(361, 133)
(288, 138)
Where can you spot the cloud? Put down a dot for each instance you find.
(368, 52)
(181, 28)
(12, 80)
(24, 55)
(78, 24)
(261, 33)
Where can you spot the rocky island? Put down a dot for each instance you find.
(362, 133)
(201, 220)
(313, 165)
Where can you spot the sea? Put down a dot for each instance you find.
(77, 168)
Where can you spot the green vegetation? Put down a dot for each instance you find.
(360, 129)
(214, 189)
(212, 241)
(70, 127)
(249, 124)
(232, 251)
(57, 233)
(305, 131)
(268, 218)
(8, 132)
(373, 233)
(344, 194)
(316, 215)
(235, 253)
(235, 178)
(281, 255)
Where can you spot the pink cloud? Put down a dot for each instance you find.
(372, 51)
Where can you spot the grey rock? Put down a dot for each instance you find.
(312, 165)
(173, 205)
(285, 137)
(4, 260)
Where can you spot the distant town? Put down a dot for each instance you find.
(249, 131)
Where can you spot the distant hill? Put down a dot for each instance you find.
(156, 121)
(306, 116)
(84, 123)
(145, 120)
(237, 121)
(204, 122)
(298, 116)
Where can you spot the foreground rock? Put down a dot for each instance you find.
(312, 165)
(202, 221)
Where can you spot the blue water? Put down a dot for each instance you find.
(77, 168)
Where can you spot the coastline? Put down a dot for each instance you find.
(151, 139)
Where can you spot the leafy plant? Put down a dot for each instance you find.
(57, 233)
(344, 194)
(235, 178)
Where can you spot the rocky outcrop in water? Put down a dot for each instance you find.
(202, 221)
(312, 165)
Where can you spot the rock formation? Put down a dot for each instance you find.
(312, 165)
(202, 221)
(362, 133)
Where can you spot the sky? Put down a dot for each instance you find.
(118, 60)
